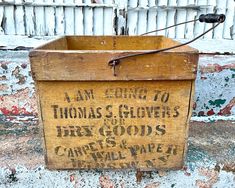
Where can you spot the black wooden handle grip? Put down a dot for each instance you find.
(212, 18)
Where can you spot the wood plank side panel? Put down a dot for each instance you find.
(9, 21)
(171, 19)
(191, 15)
(49, 19)
(181, 17)
(39, 18)
(161, 18)
(114, 43)
(88, 19)
(142, 18)
(233, 28)
(190, 110)
(60, 116)
(41, 122)
(89, 43)
(220, 9)
(59, 19)
(2, 12)
(132, 17)
(69, 18)
(200, 27)
(229, 19)
(57, 44)
(152, 17)
(108, 19)
(121, 16)
(19, 19)
(166, 66)
(99, 25)
(211, 9)
(31, 22)
(131, 43)
(79, 19)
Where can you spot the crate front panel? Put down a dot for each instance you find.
(121, 124)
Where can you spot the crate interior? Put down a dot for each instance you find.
(123, 43)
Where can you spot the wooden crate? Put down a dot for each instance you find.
(93, 119)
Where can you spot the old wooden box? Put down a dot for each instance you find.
(93, 119)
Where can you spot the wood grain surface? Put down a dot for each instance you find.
(136, 124)
(92, 119)
(86, 58)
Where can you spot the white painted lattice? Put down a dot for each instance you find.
(56, 17)
(107, 17)
(148, 15)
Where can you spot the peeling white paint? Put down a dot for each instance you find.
(14, 63)
(213, 118)
(215, 85)
(41, 177)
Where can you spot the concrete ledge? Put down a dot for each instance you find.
(210, 162)
(213, 46)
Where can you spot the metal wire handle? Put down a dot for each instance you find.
(207, 18)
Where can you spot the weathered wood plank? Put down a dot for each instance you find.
(78, 21)
(19, 19)
(108, 19)
(120, 43)
(88, 19)
(233, 29)
(39, 18)
(189, 27)
(142, 18)
(161, 18)
(29, 19)
(132, 19)
(210, 10)
(181, 17)
(9, 20)
(69, 19)
(95, 53)
(111, 128)
(200, 27)
(59, 19)
(171, 19)
(99, 25)
(228, 24)
(113, 43)
(121, 14)
(91, 122)
(49, 19)
(129, 70)
(152, 18)
(57, 44)
(220, 9)
(1, 19)
(54, 4)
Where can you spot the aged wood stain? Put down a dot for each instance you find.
(92, 119)
(114, 125)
